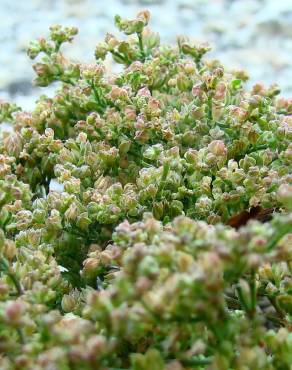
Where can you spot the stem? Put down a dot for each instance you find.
(253, 294)
(16, 283)
(275, 320)
(209, 104)
(198, 63)
(4, 266)
(21, 336)
(256, 149)
(281, 315)
(196, 361)
(249, 305)
(98, 98)
(273, 301)
(57, 46)
(166, 168)
(242, 299)
(252, 150)
(141, 46)
(121, 57)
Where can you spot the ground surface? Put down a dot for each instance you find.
(253, 34)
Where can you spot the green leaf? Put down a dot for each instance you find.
(236, 84)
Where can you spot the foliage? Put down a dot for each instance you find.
(134, 264)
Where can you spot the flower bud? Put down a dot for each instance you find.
(13, 144)
(130, 113)
(151, 39)
(9, 249)
(83, 221)
(101, 50)
(191, 156)
(285, 195)
(90, 265)
(124, 146)
(190, 67)
(54, 221)
(217, 147)
(183, 82)
(118, 93)
(158, 210)
(14, 311)
(68, 303)
(71, 212)
(111, 41)
(144, 92)
(144, 15)
(72, 185)
(197, 90)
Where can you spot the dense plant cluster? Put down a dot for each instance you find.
(143, 259)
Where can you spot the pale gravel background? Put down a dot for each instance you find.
(251, 34)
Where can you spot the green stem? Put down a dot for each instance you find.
(99, 99)
(209, 104)
(166, 168)
(256, 149)
(57, 46)
(141, 46)
(251, 151)
(16, 283)
(4, 266)
(196, 361)
(275, 319)
(273, 301)
(21, 336)
(120, 56)
(253, 294)
(241, 298)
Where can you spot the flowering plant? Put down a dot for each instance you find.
(169, 245)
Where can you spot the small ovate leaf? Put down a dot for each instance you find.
(236, 84)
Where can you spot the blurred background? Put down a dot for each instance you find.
(252, 34)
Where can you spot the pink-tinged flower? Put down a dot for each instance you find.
(218, 148)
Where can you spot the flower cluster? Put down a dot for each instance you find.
(146, 256)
